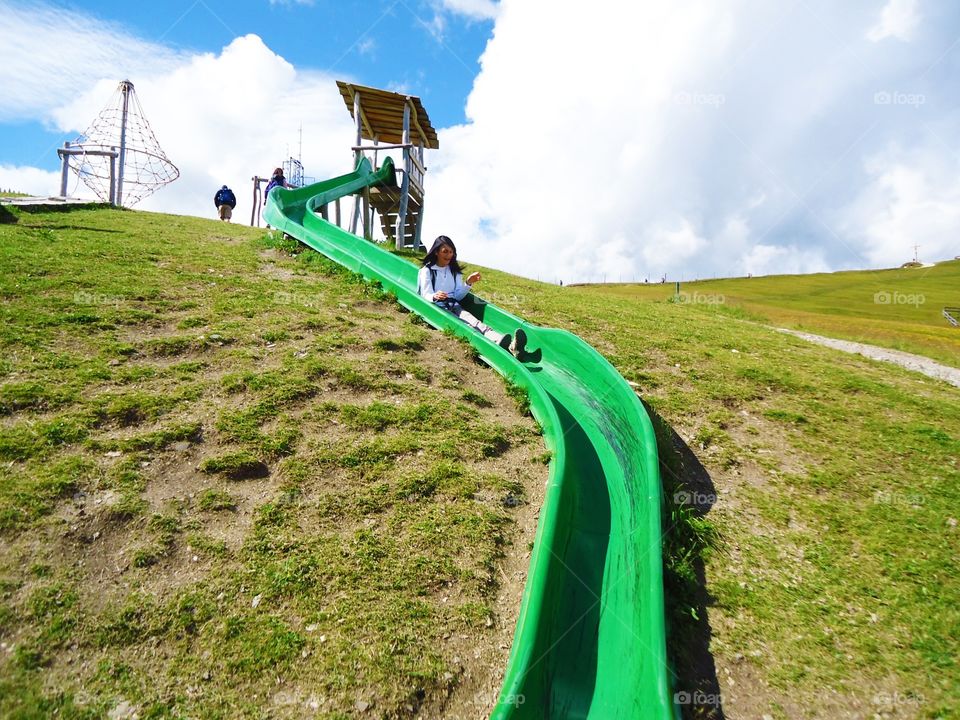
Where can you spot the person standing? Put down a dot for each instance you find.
(225, 201)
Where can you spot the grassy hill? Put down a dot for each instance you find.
(834, 483)
(899, 309)
(226, 493)
(238, 482)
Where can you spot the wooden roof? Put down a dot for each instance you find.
(381, 115)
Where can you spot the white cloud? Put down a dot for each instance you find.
(49, 54)
(31, 180)
(473, 9)
(912, 198)
(687, 138)
(790, 259)
(898, 19)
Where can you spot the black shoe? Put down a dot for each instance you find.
(505, 341)
(520, 343)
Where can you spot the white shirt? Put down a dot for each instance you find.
(455, 287)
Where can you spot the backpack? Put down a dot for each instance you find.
(225, 196)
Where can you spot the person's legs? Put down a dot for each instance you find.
(471, 320)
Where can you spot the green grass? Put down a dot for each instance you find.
(220, 497)
(145, 358)
(899, 309)
(829, 551)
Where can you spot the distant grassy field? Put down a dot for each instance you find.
(832, 481)
(899, 309)
(224, 489)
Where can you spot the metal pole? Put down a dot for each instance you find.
(113, 176)
(65, 169)
(125, 87)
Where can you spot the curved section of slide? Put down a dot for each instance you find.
(590, 638)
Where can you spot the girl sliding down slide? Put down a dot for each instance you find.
(441, 281)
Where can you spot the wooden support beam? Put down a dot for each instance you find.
(360, 117)
(416, 124)
(405, 188)
(399, 146)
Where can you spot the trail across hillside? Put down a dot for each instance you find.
(917, 363)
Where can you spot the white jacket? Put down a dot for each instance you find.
(455, 287)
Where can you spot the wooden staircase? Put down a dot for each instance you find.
(386, 201)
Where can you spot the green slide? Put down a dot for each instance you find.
(590, 639)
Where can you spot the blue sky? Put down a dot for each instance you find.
(409, 45)
(626, 140)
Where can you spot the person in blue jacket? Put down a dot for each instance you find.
(441, 281)
(225, 201)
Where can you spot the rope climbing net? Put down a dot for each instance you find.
(142, 167)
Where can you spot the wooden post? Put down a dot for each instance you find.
(255, 210)
(417, 242)
(405, 188)
(336, 208)
(357, 154)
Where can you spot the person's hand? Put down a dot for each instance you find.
(474, 278)
(440, 295)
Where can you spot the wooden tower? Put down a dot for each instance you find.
(391, 121)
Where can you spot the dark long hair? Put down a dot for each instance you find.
(431, 258)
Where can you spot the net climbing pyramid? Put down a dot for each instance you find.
(142, 167)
